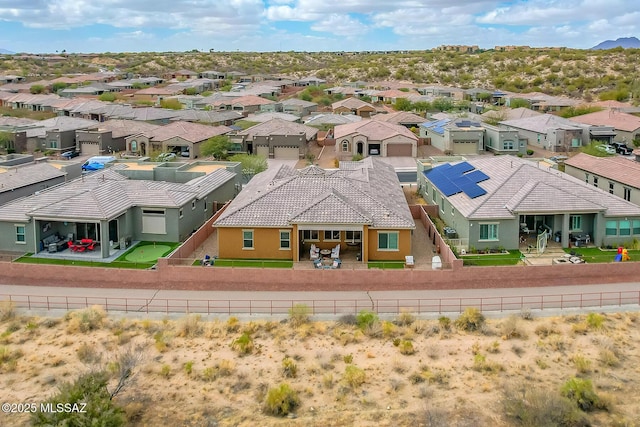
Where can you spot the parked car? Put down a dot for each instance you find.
(621, 148)
(606, 149)
(166, 157)
(70, 154)
(558, 159)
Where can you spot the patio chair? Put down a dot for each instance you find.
(335, 252)
(317, 263)
(336, 263)
(409, 262)
(314, 252)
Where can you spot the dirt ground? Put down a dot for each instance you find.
(191, 374)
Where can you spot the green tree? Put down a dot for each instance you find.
(251, 164)
(107, 97)
(402, 104)
(171, 104)
(35, 89)
(5, 140)
(442, 104)
(190, 91)
(519, 102)
(217, 146)
(58, 86)
(89, 392)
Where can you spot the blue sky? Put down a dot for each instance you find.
(47, 26)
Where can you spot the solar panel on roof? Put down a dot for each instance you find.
(461, 168)
(477, 176)
(473, 190)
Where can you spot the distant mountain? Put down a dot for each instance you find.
(6, 52)
(624, 42)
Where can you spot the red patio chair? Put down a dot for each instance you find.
(91, 246)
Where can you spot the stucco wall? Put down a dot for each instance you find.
(404, 246)
(266, 243)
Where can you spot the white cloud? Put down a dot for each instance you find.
(342, 25)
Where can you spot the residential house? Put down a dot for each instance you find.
(181, 75)
(179, 137)
(404, 118)
(323, 121)
(550, 132)
(454, 136)
(212, 74)
(508, 114)
(615, 174)
(10, 78)
(26, 179)
(110, 136)
(155, 94)
(266, 116)
(390, 96)
(353, 106)
(490, 201)
(282, 212)
(626, 126)
(442, 92)
(215, 118)
(299, 107)
(244, 105)
(542, 102)
(310, 81)
(374, 138)
(276, 138)
(55, 135)
(112, 210)
(503, 141)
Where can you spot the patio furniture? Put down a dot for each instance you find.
(325, 252)
(317, 263)
(53, 243)
(335, 252)
(314, 252)
(336, 263)
(409, 262)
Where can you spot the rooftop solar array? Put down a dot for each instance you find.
(467, 124)
(459, 178)
(437, 126)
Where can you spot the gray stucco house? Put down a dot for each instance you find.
(111, 209)
(489, 201)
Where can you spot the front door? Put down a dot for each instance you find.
(113, 230)
(360, 148)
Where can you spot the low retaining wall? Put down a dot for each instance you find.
(168, 276)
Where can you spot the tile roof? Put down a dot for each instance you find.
(58, 123)
(299, 102)
(263, 117)
(511, 113)
(192, 132)
(543, 123)
(122, 128)
(374, 130)
(332, 119)
(615, 168)
(517, 185)
(621, 121)
(12, 178)
(365, 192)
(279, 127)
(399, 117)
(351, 103)
(106, 194)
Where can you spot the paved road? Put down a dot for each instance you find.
(324, 303)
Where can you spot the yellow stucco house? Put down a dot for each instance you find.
(283, 211)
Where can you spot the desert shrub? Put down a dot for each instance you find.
(406, 347)
(327, 380)
(87, 353)
(289, 368)
(533, 407)
(366, 318)
(243, 344)
(510, 328)
(481, 364)
(188, 367)
(161, 341)
(299, 315)
(595, 320)
(348, 319)
(86, 320)
(353, 376)
(7, 310)
(165, 371)
(582, 364)
(557, 343)
(608, 357)
(405, 318)
(9, 359)
(580, 391)
(526, 314)
(470, 320)
(190, 326)
(233, 324)
(444, 322)
(100, 409)
(281, 400)
(546, 329)
(347, 358)
(388, 329)
(494, 347)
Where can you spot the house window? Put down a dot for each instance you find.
(332, 235)
(488, 231)
(433, 195)
(134, 145)
(285, 239)
(611, 186)
(595, 181)
(624, 228)
(353, 236)
(193, 204)
(611, 228)
(53, 144)
(575, 222)
(627, 194)
(453, 211)
(345, 145)
(181, 213)
(20, 234)
(586, 178)
(247, 239)
(153, 221)
(508, 145)
(636, 226)
(576, 142)
(310, 235)
(388, 241)
(442, 204)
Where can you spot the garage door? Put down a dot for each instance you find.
(465, 147)
(286, 153)
(262, 150)
(90, 149)
(404, 150)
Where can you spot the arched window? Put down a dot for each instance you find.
(134, 145)
(345, 145)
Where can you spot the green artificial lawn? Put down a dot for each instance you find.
(595, 255)
(511, 258)
(27, 259)
(147, 253)
(386, 264)
(256, 263)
